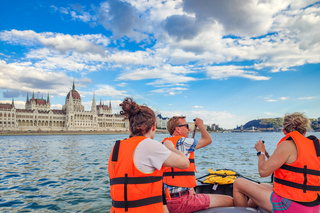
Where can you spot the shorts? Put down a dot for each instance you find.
(189, 202)
(284, 205)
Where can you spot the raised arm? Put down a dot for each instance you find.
(285, 153)
(176, 159)
(205, 139)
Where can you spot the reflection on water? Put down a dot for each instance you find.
(68, 173)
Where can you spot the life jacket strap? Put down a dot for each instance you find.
(179, 174)
(316, 144)
(135, 180)
(137, 203)
(173, 173)
(300, 170)
(126, 204)
(303, 187)
(115, 153)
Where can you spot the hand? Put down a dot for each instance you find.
(198, 122)
(169, 144)
(260, 147)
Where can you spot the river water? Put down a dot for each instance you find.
(68, 173)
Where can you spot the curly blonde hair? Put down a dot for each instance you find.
(296, 122)
(141, 118)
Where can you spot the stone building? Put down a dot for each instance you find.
(162, 121)
(38, 116)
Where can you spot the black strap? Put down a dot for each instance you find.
(300, 170)
(126, 205)
(178, 174)
(137, 203)
(316, 144)
(135, 180)
(297, 185)
(116, 151)
(305, 179)
(173, 173)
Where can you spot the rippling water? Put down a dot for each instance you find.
(68, 173)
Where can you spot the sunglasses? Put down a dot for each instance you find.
(187, 125)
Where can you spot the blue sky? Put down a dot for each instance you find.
(227, 62)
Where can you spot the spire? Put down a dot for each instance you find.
(48, 100)
(27, 97)
(12, 102)
(33, 96)
(93, 106)
(110, 104)
(100, 102)
(73, 87)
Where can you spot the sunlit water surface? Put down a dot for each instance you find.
(68, 173)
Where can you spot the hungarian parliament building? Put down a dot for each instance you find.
(38, 116)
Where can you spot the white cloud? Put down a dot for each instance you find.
(123, 84)
(106, 90)
(283, 98)
(271, 100)
(57, 41)
(56, 106)
(224, 72)
(28, 78)
(197, 107)
(170, 91)
(163, 75)
(306, 98)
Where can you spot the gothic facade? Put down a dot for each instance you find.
(38, 116)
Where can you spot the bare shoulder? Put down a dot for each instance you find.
(289, 147)
(287, 144)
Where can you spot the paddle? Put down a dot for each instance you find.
(267, 154)
(195, 128)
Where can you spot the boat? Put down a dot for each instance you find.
(225, 189)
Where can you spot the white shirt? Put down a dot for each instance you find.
(150, 155)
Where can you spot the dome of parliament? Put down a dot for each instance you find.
(75, 94)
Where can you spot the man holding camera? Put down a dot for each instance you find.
(179, 184)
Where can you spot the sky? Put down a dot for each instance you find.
(226, 62)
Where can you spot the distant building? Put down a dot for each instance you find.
(38, 115)
(214, 127)
(316, 123)
(162, 121)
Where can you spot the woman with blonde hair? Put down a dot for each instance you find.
(295, 164)
(136, 164)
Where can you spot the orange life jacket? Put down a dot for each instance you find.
(178, 177)
(300, 181)
(132, 190)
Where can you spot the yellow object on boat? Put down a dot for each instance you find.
(220, 177)
(222, 172)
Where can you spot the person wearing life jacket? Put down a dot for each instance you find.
(135, 165)
(296, 167)
(179, 183)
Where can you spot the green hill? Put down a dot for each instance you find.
(264, 123)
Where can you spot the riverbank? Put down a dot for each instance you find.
(7, 133)
(4, 133)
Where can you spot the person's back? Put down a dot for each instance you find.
(295, 164)
(123, 173)
(136, 170)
